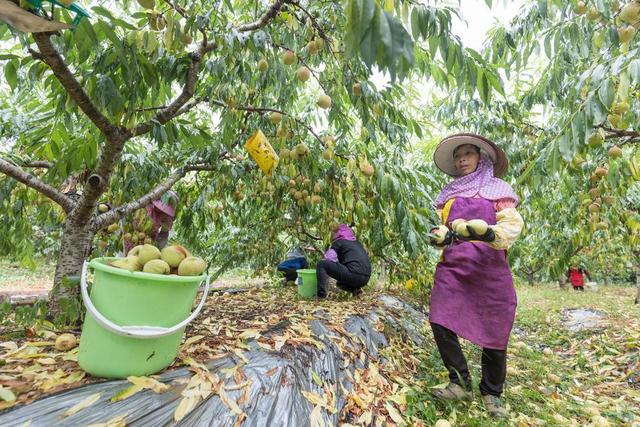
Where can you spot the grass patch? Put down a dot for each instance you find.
(554, 377)
(13, 276)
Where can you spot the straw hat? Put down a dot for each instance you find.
(443, 156)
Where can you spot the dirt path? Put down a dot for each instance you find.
(20, 285)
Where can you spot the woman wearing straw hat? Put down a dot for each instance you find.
(473, 296)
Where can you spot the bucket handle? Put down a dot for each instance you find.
(143, 332)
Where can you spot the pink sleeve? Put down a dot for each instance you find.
(504, 204)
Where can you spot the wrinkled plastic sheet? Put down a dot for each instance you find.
(275, 399)
(580, 319)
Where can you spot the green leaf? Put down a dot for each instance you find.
(483, 87)
(578, 129)
(547, 46)
(7, 395)
(11, 73)
(412, 241)
(379, 37)
(606, 93)
(123, 24)
(634, 71)
(496, 82)
(565, 146)
(359, 16)
(98, 10)
(85, 29)
(398, 45)
(368, 42)
(316, 378)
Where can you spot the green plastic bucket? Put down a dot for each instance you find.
(134, 321)
(307, 283)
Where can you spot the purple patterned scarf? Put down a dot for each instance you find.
(344, 233)
(481, 182)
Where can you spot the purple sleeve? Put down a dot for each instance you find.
(331, 255)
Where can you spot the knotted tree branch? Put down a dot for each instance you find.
(31, 181)
(118, 213)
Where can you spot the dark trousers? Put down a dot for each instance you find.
(290, 274)
(494, 363)
(578, 288)
(346, 280)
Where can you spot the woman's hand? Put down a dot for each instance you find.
(445, 238)
(488, 236)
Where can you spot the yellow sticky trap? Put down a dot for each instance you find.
(262, 152)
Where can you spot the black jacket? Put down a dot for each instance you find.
(352, 254)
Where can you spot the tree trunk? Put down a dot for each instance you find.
(529, 278)
(562, 281)
(637, 301)
(64, 298)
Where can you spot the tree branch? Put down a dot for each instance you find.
(620, 132)
(177, 8)
(188, 90)
(182, 11)
(37, 164)
(116, 136)
(315, 73)
(309, 235)
(52, 58)
(31, 181)
(178, 106)
(314, 23)
(264, 20)
(118, 213)
(270, 110)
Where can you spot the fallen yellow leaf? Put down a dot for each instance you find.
(82, 405)
(7, 395)
(240, 354)
(393, 413)
(126, 393)
(366, 418)
(314, 398)
(118, 421)
(316, 418)
(185, 406)
(250, 333)
(150, 383)
(230, 403)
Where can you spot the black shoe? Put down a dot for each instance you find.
(357, 292)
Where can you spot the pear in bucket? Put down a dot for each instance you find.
(192, 266)
(174, 255)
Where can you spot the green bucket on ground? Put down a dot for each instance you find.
(135, 321)
(307, 283)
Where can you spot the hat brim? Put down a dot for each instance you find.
(164, 208)
(443, 155)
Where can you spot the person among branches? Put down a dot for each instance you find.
(575, 274)
(289, 267)
(346, 261)
(161, 213)
(473, 295)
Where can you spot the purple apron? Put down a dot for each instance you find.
(473, 294)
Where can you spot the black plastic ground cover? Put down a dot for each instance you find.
(275, 399)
